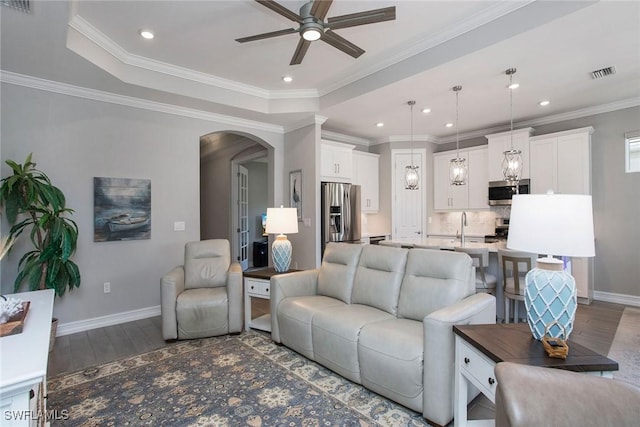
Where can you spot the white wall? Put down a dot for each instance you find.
(75, 139)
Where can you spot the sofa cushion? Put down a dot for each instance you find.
(378, 277)
(294, 320)
(338, 269)
(335, 336)
(202, 312)
(390, 354)
(434, 279)
(206, 263)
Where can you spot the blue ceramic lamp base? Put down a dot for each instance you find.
(281, 253)
(550, 297)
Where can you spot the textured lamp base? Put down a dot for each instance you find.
(281, 253)
(550, 296)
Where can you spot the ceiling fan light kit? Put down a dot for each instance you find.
(314, 27)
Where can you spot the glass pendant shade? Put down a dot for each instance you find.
(411, 178)
(457, 166)
(512, 166)
(458, 171)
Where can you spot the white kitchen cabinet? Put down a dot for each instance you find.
(336, 161)
(365, 174)
(501, 142)
(473, 195)
(478, 181)
(561, 162)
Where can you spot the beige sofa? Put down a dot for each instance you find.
(382, 317)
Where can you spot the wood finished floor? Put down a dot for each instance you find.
(595, 326)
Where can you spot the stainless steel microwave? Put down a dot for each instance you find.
(501, 192)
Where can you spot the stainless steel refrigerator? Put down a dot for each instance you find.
(340, 213)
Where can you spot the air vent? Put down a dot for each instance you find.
(603, 72)
(21, 5)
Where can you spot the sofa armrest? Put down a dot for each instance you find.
(171, 285)
(295, 284)
(234, 295)
(529, 396)
(439, 350)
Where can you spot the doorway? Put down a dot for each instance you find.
(408, 215)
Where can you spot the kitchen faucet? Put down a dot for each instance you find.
(463, 223)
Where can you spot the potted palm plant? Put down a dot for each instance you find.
(32, 203)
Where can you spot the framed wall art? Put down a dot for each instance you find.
(295, 191)
(121, 209)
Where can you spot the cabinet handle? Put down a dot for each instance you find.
(251, 287)
(338, 167)
(466, 361)
(491, 381)
(267, 289)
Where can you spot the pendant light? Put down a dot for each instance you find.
(411, 177)
(458, 166)
(512, 162)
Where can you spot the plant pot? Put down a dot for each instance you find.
(54, 330)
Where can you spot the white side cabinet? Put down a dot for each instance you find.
(365, 174)
(561, 162)
(23, 365)
(336, 161)
(473, 195)
(501, 142)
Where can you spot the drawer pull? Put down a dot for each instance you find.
(491, 381)
(252, 287)
(267, 290)
(466, 360)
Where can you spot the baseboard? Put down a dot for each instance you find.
(111, 319)
(623, 299)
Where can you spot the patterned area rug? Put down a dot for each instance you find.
(223, 381)
(625, 348)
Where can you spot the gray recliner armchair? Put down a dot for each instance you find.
(203, 297)
(529, 396)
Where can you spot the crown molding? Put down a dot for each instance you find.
(128, 101)
(346, 139)
(312, 120)
(100, 40)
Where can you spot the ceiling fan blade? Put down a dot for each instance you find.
(301, 50)
(320, 8)
(362, 18)
(341, 43)
(267, 35)
(281, 10)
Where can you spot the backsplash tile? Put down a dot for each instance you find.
(479, 223)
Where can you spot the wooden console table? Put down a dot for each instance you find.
(23, 364)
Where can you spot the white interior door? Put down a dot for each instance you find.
(243, 217)
(408, 206)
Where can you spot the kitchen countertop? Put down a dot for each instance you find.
(447, 243)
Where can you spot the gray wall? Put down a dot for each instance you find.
(75, 139)
(258, 202)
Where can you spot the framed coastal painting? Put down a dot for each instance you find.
(295, 191)
(121, 209)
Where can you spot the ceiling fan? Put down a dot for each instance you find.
(313, 26)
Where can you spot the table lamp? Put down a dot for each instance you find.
(280, 221)
(551, 224)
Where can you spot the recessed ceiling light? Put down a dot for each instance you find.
(379, 124)
(543, 103)
(287, 79)
(147, 34)
(514, 86)
(426, 110)
(449, 125)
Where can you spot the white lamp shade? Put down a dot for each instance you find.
(282, 220)
(552, 224)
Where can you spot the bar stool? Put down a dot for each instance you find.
(515, 265)
(485, 282)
